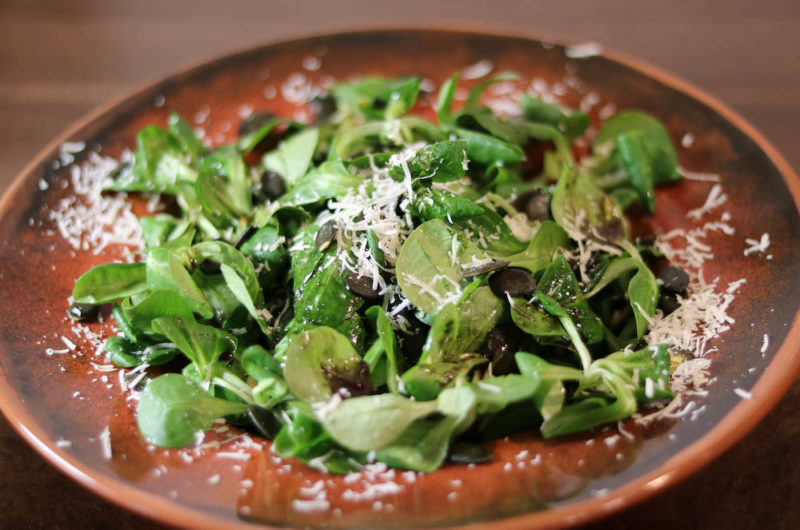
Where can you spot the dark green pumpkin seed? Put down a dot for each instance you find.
(512, 282)
(323, 107)
(244, 236)
(210, 267)
(484, 269)
(362, 286)
(534, 203)
(646, 241)
(502, 343)
(668, 302)
(674, 280)
(272, 185)
(326, 235)
(78, 311)
(264, 421)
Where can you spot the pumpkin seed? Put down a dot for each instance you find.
(535, 203)
(272, 185)
(668, 302)
(502, 342)
(265, 422)
(323, 107)
(512, 282)
(210, 267)
(326, 235)
(483, 269)
(673, 279)
(244, 236)
(78, 311)
(362, 286)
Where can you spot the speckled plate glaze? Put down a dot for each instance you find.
(56, 398)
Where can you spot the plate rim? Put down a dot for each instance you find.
(738, 422)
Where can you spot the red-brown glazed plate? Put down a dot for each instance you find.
(67, 401)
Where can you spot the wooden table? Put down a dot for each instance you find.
(58, 60)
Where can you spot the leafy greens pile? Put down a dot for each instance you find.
(380, 287)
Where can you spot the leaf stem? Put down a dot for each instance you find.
(374, 354)
(575, 337)
(234, 386)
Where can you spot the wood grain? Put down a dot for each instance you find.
(58, 60)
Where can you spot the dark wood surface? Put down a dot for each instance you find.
(60, 59)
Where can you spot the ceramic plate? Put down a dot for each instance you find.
(67, 401)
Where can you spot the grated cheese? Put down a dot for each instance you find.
(105, 443)
(312, 63)
(700, 317)
(757, 245)
(322, 409)
(372, 491)
(233, 456)
(583, 50)
(298, 89)
(698, 176)
(607, 111)
(373, 206)
(311, 506)
(521, 227)
(91, 220)
(315, 489)
(67, 152)
(589, 101)
(716, 198)
(477, 70)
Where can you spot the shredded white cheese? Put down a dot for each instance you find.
(699, 176)
(702, 316)
(88, 219)
(757, 245)
(477, 70)
(583, 50)
(105, 443)
(716, 198)
(521, 227)
(310, 506)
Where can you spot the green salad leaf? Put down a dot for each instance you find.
(173, 409)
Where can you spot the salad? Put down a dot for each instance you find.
(383, 287)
